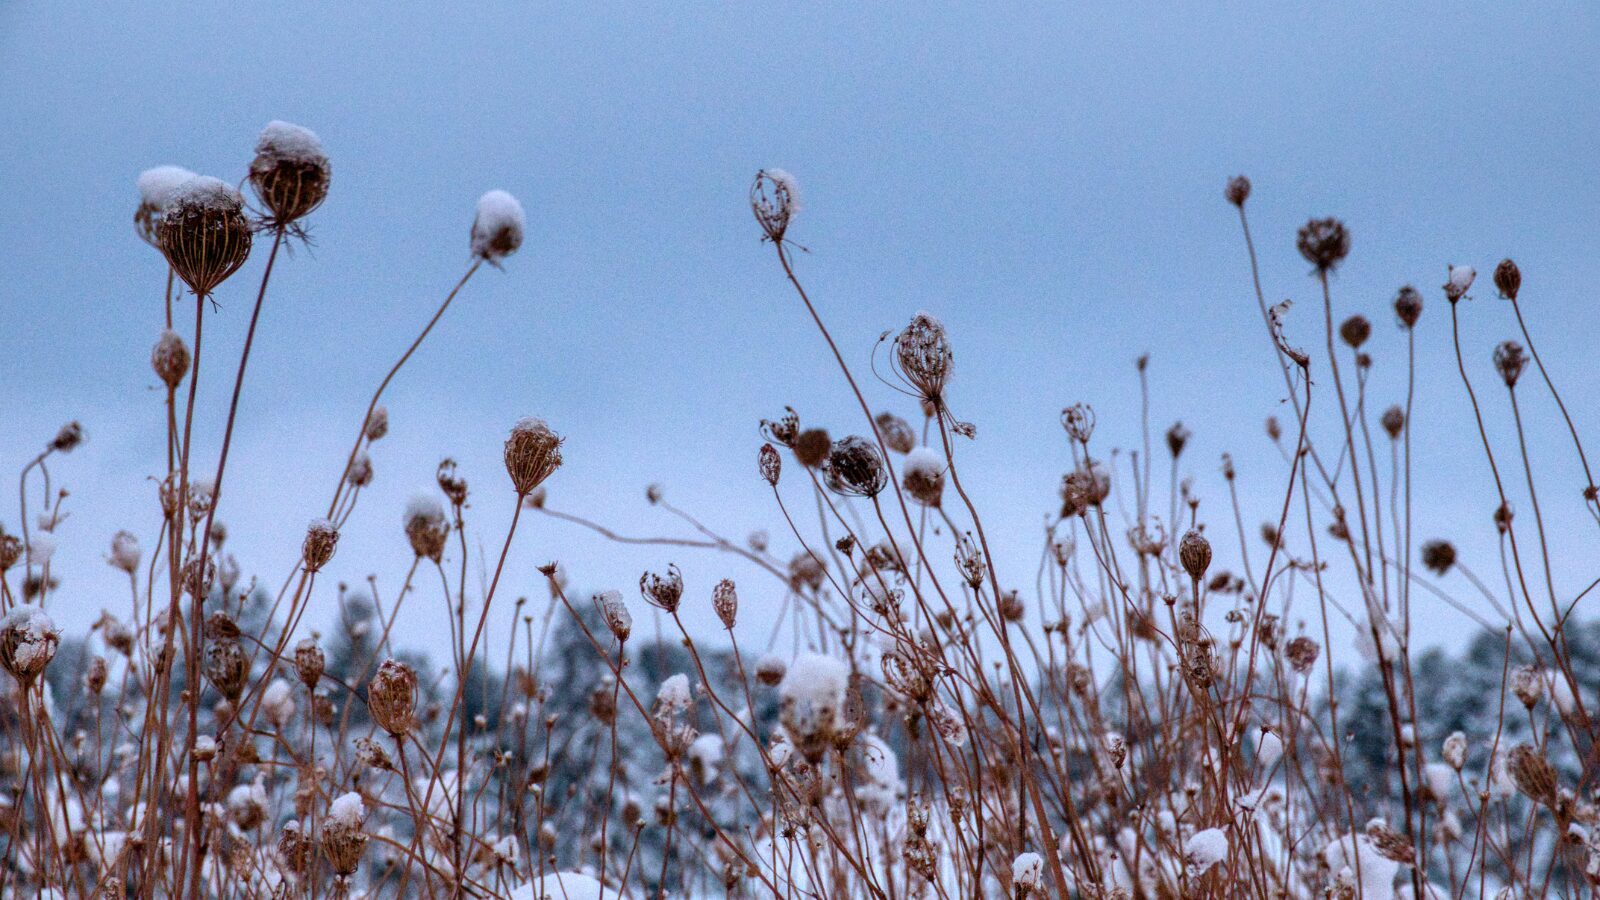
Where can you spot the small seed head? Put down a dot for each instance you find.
(290, 172)
(922, 356)
(532, 452)
(769, 464)
(321, 539)
(1355, 331)
(1508, 279)
(1393, 421)
(1194, 551)
(855, 469)
(204, 233)
(170, 358)
(663, 591)
(725, 600)
(1509, 361)
(811, 447)
(774, 198)
(309, 662)
(1408, 306)
(392, 697)
(1238, 190)
(1324, 243)
(497, 227)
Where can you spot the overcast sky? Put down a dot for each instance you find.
(1047, 181)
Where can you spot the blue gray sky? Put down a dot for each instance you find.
(1047, 180)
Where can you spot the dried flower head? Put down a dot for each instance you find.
(28, 641)
(1527, 683)
(497, 227)
(1509, 361)
(1438, 556)
(1355, 331)
(811, 447)
(663, 591)
(321, 539)
(1393, 421)
(227, 666)
(1408, 306)
(854, 468)
(156, 187)
(1177, 438)
(1238, 190)
(204, 233)
(1454, 750)
(896, 432)
(1390, 844)
(377, 424)
(359, 473)
(922, 476)
(1194, 551)
(426, 526)
(1078, 421)
(343, 840)
(450, 482)
(68, 438)
(923, 358)
(1508, 279)
(290, 172)
(125, 552)
(1459, 282)
(615, 613)
(805, 573)
(1532, 774)
(769, 464)
(774, 198)
(725, 601)
(533, 451)
(309, 662)
(1324, 243)
(170, 358)
(392, 697)
(1302, 654)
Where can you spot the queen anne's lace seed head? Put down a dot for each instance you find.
(28, 641)
(1508, 279)
(392, 697)
(204, 234)
(1408, 306)
(170, 358)
(1324, 243)
(922, 356)
(663, 591)
(855, 469)
(321, 539)
(775, 199)
(497, 227)
(290, 172)
(532, 453)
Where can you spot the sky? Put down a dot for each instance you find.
(1048, 181)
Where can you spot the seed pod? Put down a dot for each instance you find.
(68, 438)
(392, 697)
(359, 473)
(725, 600)
(1532, 774)
(426, 527)
(309, 662)
(923, 477)
(125, 552)
(95, 678)
(1408, 306)
(896, 432)
(663, 591)
(532, 452)
(1078, 421)
(226, 665)
(204, 234)
(1302, 653)
(321, 539)
(343, 841)
(1238, 190)
(855, 469)
(615, 612)
(1528, 685)
(1459, 282)
(1508, 278)
(769, 464)
(28, 641)
(1510, 361)
(1438, 556)
(1177, 438)
(923, 358)
(1455, 750)
(811, 447)
(1195, 554)
(1324, 243)
(170, 358)
(1355, 331)
(774, 198)
(290, 171)
(497, 227)
(1393, 421)
(377, 424)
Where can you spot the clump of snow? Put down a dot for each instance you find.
(923, 463)
(812, 693)
(34, 634)
(278, 702)
(1269, 748)
(530, 424)
(281, 140)
(674, 696)
(205, 192)
(157, 185)
(497, 228)
(425, 509)
(560, 886)
(1027, 870)
(40, 549)
(347, 811)
(1377, 872)
(1205, 849)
